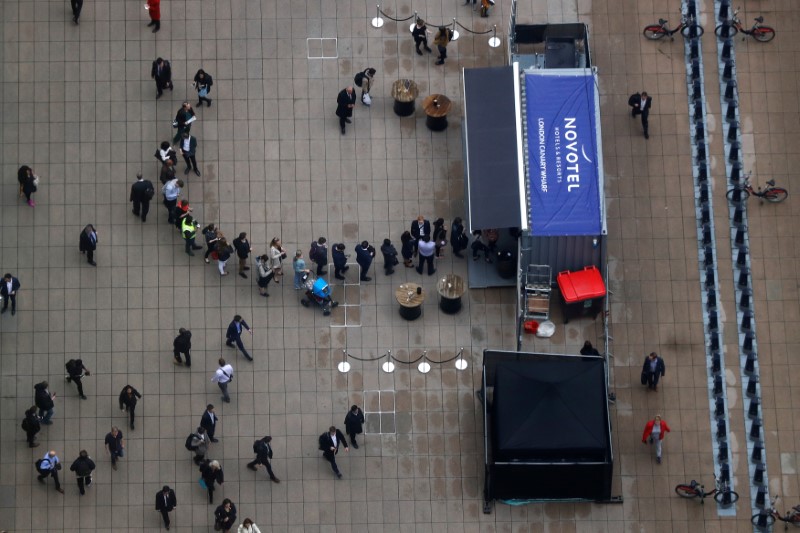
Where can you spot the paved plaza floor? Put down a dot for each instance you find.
(79, 107)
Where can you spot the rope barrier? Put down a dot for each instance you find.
(415, 361)
(416, 16)
(471, 31)
(382, 12)
(365, 360)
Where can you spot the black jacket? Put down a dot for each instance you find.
(415, 229)
(138, 191)
(166, 71)
(242, 247)
(210, 476)
(326, 442)
(207, 423)
(86, 242)
(343, 101)
(4, 287)
(206, 82)
(353, 422)
(128, 401)
(660, 367)
(167, 503)
(42, 397)
(183, 342)
(339, 257)
(635, 101)
(227, 519)
(82, 466)
(75, 368)
(32, 423)
(389, 254)
(264, 452)
(364, 255)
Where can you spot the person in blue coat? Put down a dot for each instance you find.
(339, 261)
(364, 255)
(234, 334)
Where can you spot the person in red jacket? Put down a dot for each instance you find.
(654, 432)
(154, 9)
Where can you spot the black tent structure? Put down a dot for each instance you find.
(547, 431)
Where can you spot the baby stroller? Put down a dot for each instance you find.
(319, 292)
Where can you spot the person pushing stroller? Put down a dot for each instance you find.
(318, 291)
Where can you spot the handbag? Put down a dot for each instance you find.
(644, 377)
(203, 92)
(366, 99)
(202, 483)
(35, 181)
(174, 123)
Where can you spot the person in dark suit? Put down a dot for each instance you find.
(83, 467)
(75, 372)
(419, 228)
(88, 243)
(234, 334)
(339, 260)
(329, 443)
(141, 193)
(77, 5)
(640, 105)
(127, 401)
(653, 370)
(458, 239)
(165, 503)
(389, 257)
(8, 291)
(354, 424)
(188, 149)
(209, 422)
(263, 453)
(162, 73)
(364, 255)
(182, 345)
(345, 103)
(243, 249)
(320, 256)
(202, 83)
(31, 426)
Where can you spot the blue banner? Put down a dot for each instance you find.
(563, 171)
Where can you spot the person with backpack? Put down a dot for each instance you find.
(442, 39)
(49, 466)
(319, 254)
(182, 345)
(198, 443)
(31, 426)
(75, 371)
(364, 80)
(263, 452)
(83, 467)
(141, 193)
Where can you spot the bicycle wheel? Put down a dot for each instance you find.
(726, 30)
(775, 195)
(763, 34)
(654, 32)
(686, 491)
(692, 30)
(720, 496)
(745, 193)
(762, 520)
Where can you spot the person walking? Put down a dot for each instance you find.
(28, 183)
(75, 372)
(640, 105)
(427, 249)
(265, 274)
(183, 121)
(44, 400)
(224, 251)
(199, 443)
(115, 445)
(167, 173)
(166, 502)
(225, 516)
(339, 261)
(407, 246)
(202, 84)
(76, 5)
(365, 252)
(141, 193)
(458, 238)
(48, 466)
(171, 190)
(364, 80)
(329, 443)
(209, 419)
(161, 71)
(653, 370)
(8, 292)
(243, 249)
(188, 148)
(442, 39)
(354, 424)
(222, 377)
(276, 256)
(263, 451)
(299, 268)
(345, 103)
(319, 255)
(189, 231)
(31, 426)
(211, 472)
(234, 335)
(248, 526)
(182, 345)
(654, 432)
(389, 257)
(420, 34)
(83, 467)
(439, 236)
(212, 235)
(153, 8)
(127, 401)
(88, 243)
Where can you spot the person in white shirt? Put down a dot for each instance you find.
(248, 526)
(222, 377)
(49, 466)
(171, 190)
(427, 248)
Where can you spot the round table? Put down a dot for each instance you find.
(436, 106)
(451, 289)
(410, 297)
(404, 93)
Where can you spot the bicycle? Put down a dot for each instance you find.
(760, 33)
(771, 193)
(767, 517)
(721, 493)
(688, 28)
